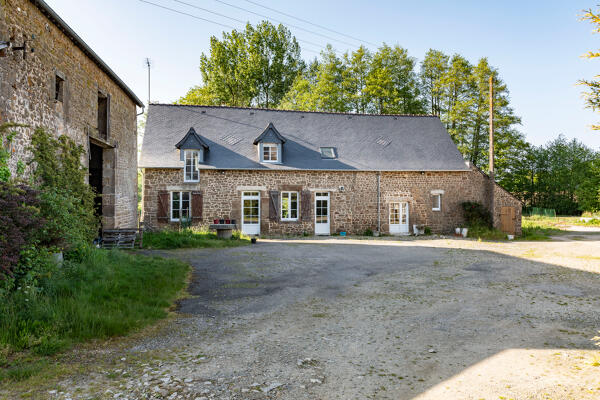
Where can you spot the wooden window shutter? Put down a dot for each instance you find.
(162, 212)
(305, 203)
(107, 117)
(274, 205)
(197, 205)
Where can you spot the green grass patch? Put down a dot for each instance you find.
(485, 233)
(106, 294)
(541, 228)
(191, 238)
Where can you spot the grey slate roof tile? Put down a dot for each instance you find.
(407, 143)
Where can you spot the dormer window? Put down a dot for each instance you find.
(270, 152)
(191, 173)
(192, 150)
(270, 145)
(327, 152)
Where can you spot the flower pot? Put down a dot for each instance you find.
(233, 221)
(253, 240)
(216, 221)
(221, 221)
(457, 231)
(227, 221)
(510, 237)
(464, 232)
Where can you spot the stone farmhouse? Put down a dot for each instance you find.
(295, 172)
(49, 77)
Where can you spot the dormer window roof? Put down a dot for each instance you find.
(270, 135)
(192, 140)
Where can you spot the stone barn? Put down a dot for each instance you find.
(296, 172)
(49, 77)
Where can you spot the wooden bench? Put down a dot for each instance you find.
(121, 238)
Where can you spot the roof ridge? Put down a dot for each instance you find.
(296, 111)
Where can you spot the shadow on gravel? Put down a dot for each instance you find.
(470, 304)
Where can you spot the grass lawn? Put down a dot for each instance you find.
(107, 294)
(191, 238)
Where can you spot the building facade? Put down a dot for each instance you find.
(287, 172)
(50, 78)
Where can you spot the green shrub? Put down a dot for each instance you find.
(476, 215)
(368, 232)
(427, 230)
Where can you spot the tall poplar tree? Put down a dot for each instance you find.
(433, 68)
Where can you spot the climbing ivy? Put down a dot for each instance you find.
(7, 136)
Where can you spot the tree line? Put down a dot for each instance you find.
(262, 66)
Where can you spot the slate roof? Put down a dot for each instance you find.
(362, 141)
(191, 140)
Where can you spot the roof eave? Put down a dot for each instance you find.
(79, 42)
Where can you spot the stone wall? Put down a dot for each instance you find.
(353, 208)
(27, 86)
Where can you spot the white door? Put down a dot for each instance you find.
(322, 214)
(399, 218)
(251, 213)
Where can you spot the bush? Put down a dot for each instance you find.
(476, 215)
(20, 220)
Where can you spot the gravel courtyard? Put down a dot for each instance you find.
(380, 319)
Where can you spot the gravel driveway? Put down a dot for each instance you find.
(359, 319)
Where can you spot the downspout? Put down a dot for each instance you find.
(378, 203)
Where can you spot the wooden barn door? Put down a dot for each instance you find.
(507, 220)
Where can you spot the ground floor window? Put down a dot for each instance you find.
(289, 206)
(437, 202)
(180, 206)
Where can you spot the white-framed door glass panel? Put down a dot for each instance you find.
(251, 213)
(399, 217)
(322, 215)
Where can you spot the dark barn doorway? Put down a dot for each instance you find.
(95, 179)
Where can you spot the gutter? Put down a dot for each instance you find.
(378, 203)
(70, 33)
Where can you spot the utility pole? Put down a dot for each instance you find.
(148, 63)
(491, 162)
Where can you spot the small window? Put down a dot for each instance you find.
(328, 152)
(270, 152)
(289, 206)
(59, 88)
(180, 206)
(103, 116)
(191, 173)
(437, 202)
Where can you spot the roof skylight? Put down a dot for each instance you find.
(328, 152)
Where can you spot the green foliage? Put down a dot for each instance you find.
(254, 67)
(6, 138)
(540, 228)
(482, 232)
(476, 215)
(67, 201)
(191, 238)
(592, 96)
(106, 294)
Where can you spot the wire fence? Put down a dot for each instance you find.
(541, 212)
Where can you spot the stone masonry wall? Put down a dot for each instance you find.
(27, 97)
(352, 210)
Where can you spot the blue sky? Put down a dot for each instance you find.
(536, 45)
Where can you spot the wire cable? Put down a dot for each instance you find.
(308, 22)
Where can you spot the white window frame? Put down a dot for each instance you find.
(195, 172)
(333, 152)
(180, 209)
(289, 194)
(438, 197)
(270, 146)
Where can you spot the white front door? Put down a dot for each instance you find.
(322, 214)
(399, 218)
(251, 213)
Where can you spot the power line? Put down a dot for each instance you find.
(308, 22)
(221, 24)
(285, 23)
(189, 15)
(237, 20)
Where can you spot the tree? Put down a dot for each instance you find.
(433, 68)
(254, 67)
(357, 66)
(274, 60)
(592, 97)
(392, 82)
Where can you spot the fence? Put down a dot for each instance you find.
(542, 212)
